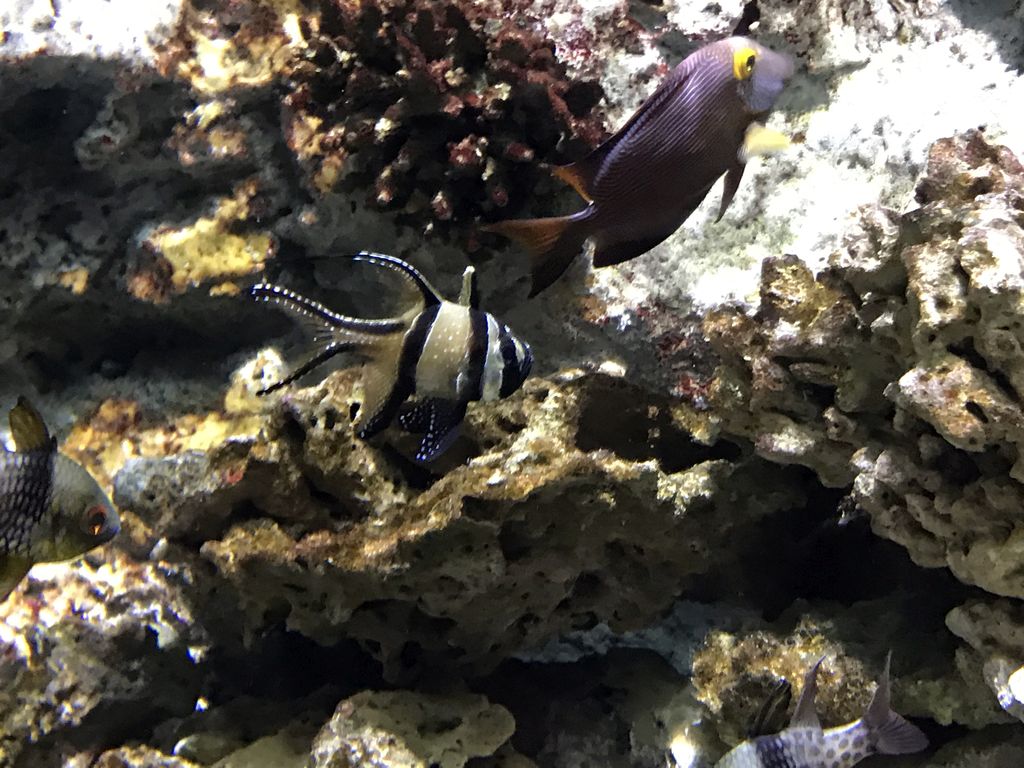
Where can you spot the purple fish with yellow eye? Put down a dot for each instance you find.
(643, 182)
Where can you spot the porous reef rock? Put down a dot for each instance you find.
(567, 515)
(897, 372)
(403, 729)
(93, 650)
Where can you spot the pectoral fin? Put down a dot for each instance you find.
(438, 420)
(761, 141)
(28, 428)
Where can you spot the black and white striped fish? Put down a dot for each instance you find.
(51, 508)
(805, 744)
(445, 354)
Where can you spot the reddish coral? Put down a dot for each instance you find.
(440, 108)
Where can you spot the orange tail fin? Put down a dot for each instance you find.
(553, 243)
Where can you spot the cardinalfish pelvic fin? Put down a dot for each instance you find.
(703, 121)
(444, 354)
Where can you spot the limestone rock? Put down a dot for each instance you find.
(403, 729)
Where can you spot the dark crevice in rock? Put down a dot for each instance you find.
(637, 426)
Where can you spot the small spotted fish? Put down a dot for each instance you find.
(51, 508)
(446, 354)
(805, 744)
(643, 182)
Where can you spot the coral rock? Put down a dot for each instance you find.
(402, 729)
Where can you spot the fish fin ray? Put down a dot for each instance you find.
(438, 420)
(805, 715)
(552, 243)
(428, 293)
(470, 295)
(314, 360)
(891, 733)
(28, 428)
(732, 182)
(319, 319)
(384, 391)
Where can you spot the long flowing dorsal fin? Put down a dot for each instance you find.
(28, 428)
(581, 174)
(805, 715)
(470, 296)
(408, 271)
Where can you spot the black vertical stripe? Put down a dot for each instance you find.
(509, 365)
(405, 381)
(477, 355)
(415, 340)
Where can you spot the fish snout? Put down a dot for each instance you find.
(769, 77)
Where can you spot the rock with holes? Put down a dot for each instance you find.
(994, 633)
(573, 509)
(403, 729)
(896, 372)
(105, 639)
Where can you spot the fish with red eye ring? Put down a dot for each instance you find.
(51, 508)
(703, 121)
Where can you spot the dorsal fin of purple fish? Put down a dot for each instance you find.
(28, 428)
(806, 715)
(581, 174)
(890, 732)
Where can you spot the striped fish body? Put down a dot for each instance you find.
(25, 484)
(644, 181)
(51, 509)
(465, 355)
(445, 354)
(664, 167)
(803, 747)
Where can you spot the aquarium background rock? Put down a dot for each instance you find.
(790, 434)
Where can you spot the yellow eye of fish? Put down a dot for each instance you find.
(743, 62)
(95, 520)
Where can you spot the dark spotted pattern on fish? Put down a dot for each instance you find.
(25, 488)
(775, 752)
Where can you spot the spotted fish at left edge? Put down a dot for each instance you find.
(805, 744)
(51, 508)
(445, 354)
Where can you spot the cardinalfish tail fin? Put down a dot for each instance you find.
(330, 333)
(553, 243)
(890, 733)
